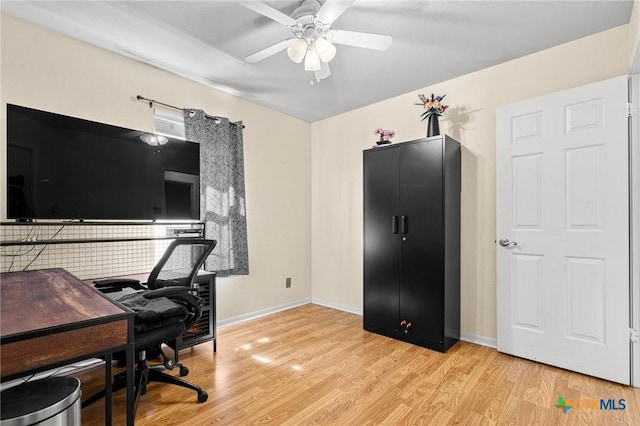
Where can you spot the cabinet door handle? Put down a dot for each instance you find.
(394, 224)
(404, 224)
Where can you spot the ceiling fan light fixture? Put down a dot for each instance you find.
(297, 50)
(311, 60)
(325, 49)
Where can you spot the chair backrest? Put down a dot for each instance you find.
(180, 263)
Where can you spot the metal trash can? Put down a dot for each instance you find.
(54, 401)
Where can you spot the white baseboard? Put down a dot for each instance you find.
(261, 313)
(338, 306)
(479, 340)
(471, 338)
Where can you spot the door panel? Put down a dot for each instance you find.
(584, 198)
(586, 307)
(562, 195)
(381, 244)
(422, 259)
(526, 281)
(527, 197)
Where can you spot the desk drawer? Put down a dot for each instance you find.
(59, 348)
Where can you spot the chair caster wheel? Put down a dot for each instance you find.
(184, 371)
(202, 396)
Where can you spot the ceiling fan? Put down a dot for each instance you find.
(314, 38)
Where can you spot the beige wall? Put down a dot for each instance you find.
(337, 145)
(49, 71)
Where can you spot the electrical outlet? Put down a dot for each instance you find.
(288, 282)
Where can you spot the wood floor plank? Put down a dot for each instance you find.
(314, 365)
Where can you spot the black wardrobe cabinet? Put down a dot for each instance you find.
(412, 241)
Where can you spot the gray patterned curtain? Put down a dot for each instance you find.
(222, 196)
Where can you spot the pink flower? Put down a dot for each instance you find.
(385, 135)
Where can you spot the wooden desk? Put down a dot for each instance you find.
(49, 319)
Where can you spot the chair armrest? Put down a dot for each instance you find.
(167, 292)
(169, 283)
(117, 283)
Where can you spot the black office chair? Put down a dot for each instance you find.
(164, 308)
(180, 263)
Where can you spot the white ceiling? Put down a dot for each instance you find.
(433, 41)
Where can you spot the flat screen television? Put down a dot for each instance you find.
(61, 167)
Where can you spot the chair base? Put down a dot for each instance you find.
(157, 376)
(144, 375)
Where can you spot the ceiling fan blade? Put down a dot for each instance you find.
(366, 40)
(332, 9)
(268, 51)
(269, 12)
(324, 72)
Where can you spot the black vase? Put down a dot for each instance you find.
(383, 142)
(433, 128)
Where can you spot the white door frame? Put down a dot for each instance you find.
(634, 223)
(634, 203)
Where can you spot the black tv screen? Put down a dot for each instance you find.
(60, 167)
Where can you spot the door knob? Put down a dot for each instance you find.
(504, 242)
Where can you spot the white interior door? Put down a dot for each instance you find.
(563, 197)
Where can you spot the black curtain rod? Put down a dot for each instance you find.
(153, 101)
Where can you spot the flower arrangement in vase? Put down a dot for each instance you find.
(385, 135)
(433, 109)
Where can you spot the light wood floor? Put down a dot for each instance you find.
(316, 365)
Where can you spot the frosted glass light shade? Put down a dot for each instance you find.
(297, 50)
(153, 140)
(311, 61)
(326, 51)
